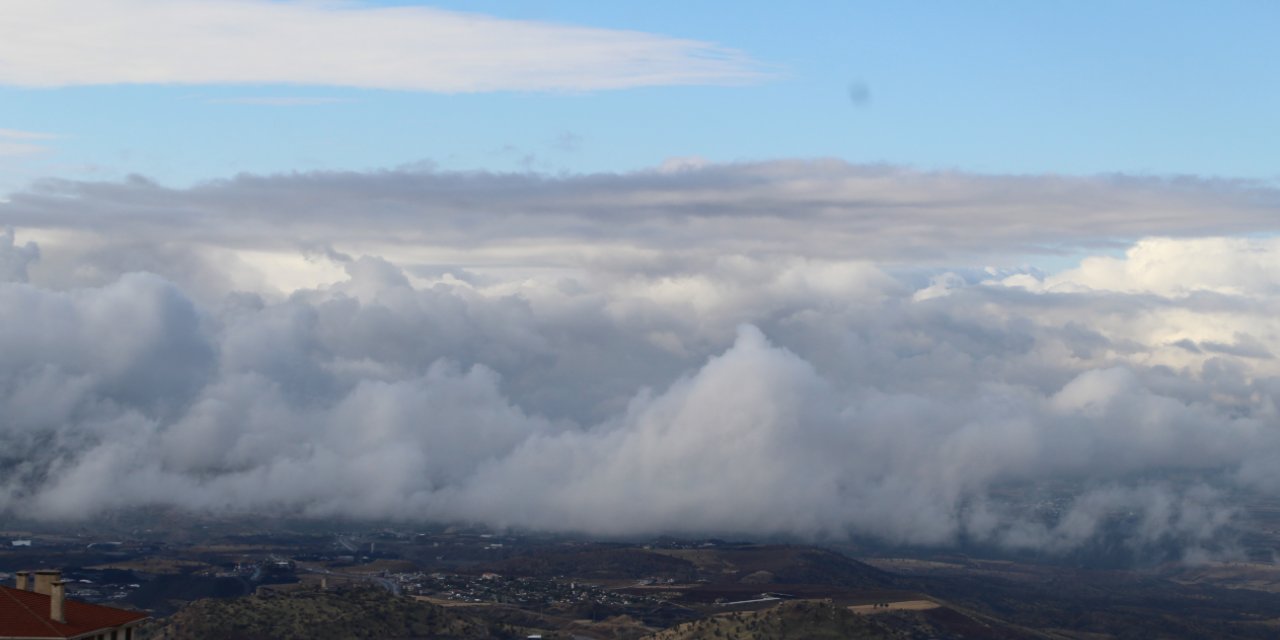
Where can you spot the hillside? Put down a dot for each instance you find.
(304, 614)
(806, 619)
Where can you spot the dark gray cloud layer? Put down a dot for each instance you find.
(821, 209)
(752, 351)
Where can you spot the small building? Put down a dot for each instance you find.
(38, 609)
(20, 543)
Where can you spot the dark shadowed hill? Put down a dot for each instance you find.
(803, 620)
(306, 614)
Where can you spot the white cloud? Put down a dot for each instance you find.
(847, 404)
(1179, 267)
(51, 43)
(1206, 297)
(751, 349)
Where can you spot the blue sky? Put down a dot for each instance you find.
(993, 87)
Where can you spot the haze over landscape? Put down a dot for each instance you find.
(882, 273)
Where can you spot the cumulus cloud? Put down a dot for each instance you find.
(1179, 267)
(57, 43)
(753, 349)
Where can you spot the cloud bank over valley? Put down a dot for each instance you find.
(785, 348)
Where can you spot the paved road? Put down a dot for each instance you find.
(347, 544)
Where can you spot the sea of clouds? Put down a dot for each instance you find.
(808, 349)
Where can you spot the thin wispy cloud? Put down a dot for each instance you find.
(282, 101)
(19, 148)
(15, 142)
(56, 43)
(15, 134)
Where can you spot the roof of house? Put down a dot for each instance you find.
(25, 614)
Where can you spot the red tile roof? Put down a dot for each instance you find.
(25, 614)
